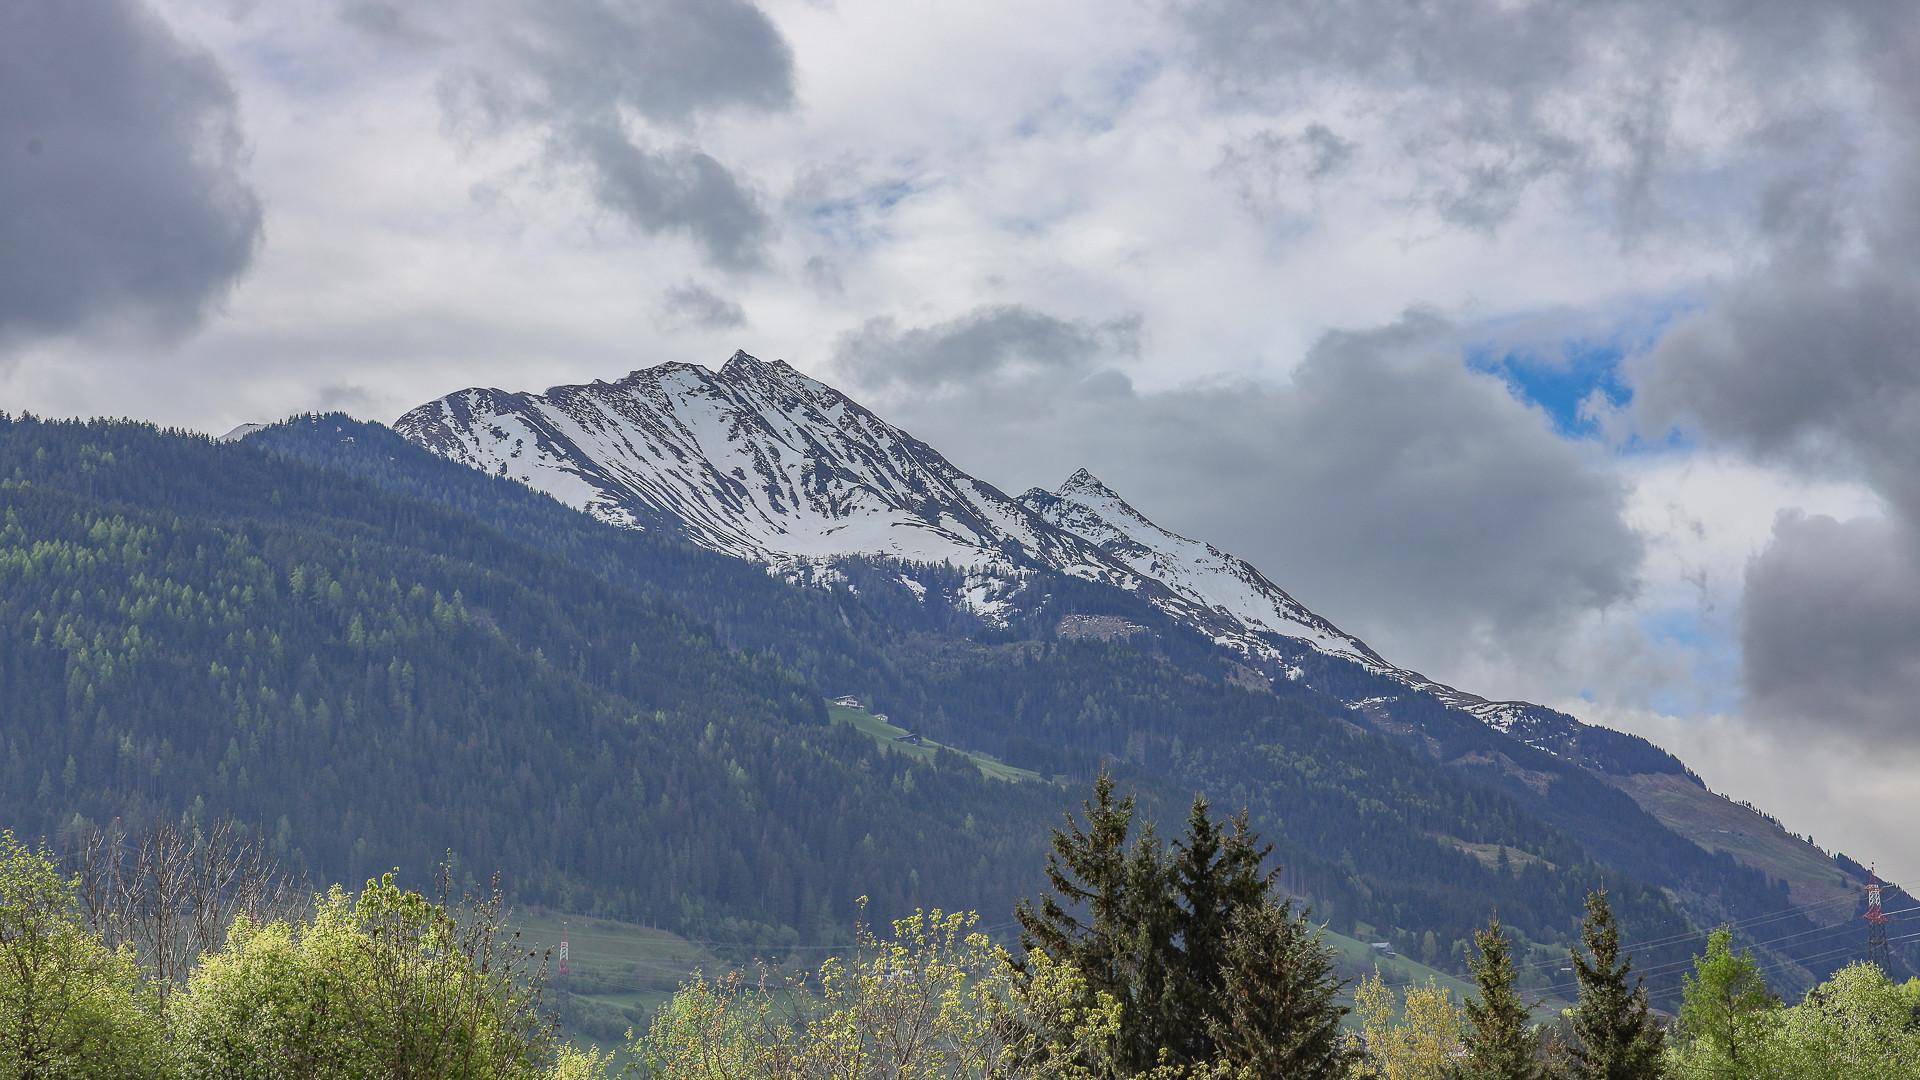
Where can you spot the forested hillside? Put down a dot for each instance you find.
(203, 629)
(375, 656)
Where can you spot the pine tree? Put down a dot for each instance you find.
(1615, 1034)
(1278, 1013)
(1501, 1043)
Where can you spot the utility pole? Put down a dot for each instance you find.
(1877, 952)
(564, 970)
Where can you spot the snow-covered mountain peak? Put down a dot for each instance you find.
(1191, 568)
(1086, 487)
(757, 460)
(1089, 491)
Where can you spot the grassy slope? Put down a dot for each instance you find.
(889, 736)
(1716, 823)
(619, 964)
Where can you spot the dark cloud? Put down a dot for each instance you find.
(694, 305)
(991, 345)
(602, 80)
(1831, 631)
(345, 397)
(671, 61)
(679, 188)
(121, 187)
(1402, 494)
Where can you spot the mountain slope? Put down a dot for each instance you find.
(626, 722)
(195, 629)
(759, 461)
(763, 463)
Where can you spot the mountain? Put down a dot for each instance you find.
(761, 462)
(376, 655)
(192, 629)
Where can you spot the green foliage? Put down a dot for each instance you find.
(1276, 1013)
(1417, 1035)
(1502, 1043)
(1615, 1034)
(934, 1000)
(385, 983)
(1857, 1023)
(69, 1006)
(1725, 1018)
(1206, 965)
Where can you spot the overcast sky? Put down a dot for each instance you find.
(1562, 351)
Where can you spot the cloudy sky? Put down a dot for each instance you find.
(1563, 351)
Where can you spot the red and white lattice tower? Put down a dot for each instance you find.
(1877, 952)
(562, 969)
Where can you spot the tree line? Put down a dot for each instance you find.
(188, 953)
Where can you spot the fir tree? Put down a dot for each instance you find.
(1615, 1034)
(1153, 1015)
(1501, 1043)
(1217, 877)
(1087, 869)
(1278, 1013)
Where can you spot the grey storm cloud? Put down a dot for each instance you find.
(692, 304)
(677, 187)
(983, 345)
(1805, 358)
(122, 191)
(1402, 494)
(1831, 631)
(616, 90)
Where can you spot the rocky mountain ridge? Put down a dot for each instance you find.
(759, 461)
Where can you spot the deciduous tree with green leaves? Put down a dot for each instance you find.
(69, 1006)
(1726, 1017)
(384, 983)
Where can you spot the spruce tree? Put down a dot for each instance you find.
(1278, 1015)
(1152, 1016)
(1615, 1034)
(1501, 1043)
(1087, 870)
(1217, 876)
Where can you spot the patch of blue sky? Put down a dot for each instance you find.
(1562, 384)
(1567, 374)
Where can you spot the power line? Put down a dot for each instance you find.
(1672, 966)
